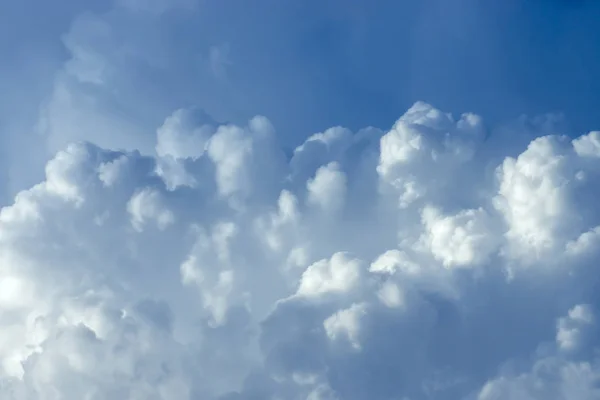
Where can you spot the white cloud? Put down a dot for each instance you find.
(571, 328)
(184, 135)
(460, 240)
(422, 150)
(392, 261)
(147, 205)
(347, 323)
(338, 275)
(554, 375)
(215, 269)
(542, 193)
(588, 145)
(328, 188)
(390, 295)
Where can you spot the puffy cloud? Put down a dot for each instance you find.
(338, 275)
(146, 205)
(184, 134)
(328, 188)
(346, 322)
(588, 145)
(412, 264)
(556, 374)
(460, 240)
(424, 148)
(544, 192)
(571, 328)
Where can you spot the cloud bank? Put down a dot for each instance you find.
(109, 71)
(439, 259)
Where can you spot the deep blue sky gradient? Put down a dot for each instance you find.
(314, 64)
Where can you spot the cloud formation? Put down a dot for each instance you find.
(109, 71)
(414, 263)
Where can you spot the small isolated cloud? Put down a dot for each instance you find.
(421, 262)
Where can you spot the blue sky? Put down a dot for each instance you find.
(315, 64)
(303, 200)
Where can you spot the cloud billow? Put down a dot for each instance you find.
(421, 262)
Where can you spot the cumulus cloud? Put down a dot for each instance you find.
(412, 263)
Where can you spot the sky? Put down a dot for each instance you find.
(317, 200)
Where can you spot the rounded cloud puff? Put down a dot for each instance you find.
(412, 263)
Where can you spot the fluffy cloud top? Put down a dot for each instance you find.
(413, 263)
